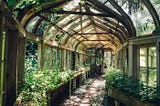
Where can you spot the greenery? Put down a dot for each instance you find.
(37, 83)
(131, 87)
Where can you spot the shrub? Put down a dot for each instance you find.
(131, 87)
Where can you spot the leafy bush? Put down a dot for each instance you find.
(37, 83)
(131, 87)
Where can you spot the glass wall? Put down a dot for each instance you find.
(148, 65)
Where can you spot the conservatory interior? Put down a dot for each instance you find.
(79, 53)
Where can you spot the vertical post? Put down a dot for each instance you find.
(147, 61)
(51, 58)
(158, 63)
(20, 62)
(102, 67)
(64, 58)
(11, 66)
(133, 63)
(41, 55)
(117, 103)
(111, 59)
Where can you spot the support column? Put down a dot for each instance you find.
(117, 103)
(20, 63)
(133, 56)
(64, 60)
(102, 67)
(11, 67)
(158, 63)
(41, 55)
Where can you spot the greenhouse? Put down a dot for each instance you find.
(79, 53)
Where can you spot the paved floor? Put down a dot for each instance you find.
(89, 94)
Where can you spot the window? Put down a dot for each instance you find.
(148, 65)
(31, 56)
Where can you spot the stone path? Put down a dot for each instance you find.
(90, 94)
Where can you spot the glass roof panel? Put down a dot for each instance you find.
(84, 24)
(143, 22)
(66, 19)
(50, 32)
(139, 14)
(71, 5)
(108, 4)
(42, 27)
(31, 24)
(156, 4)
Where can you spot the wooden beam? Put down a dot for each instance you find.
(85, 13)
(96, 33)
(103, 8)
(37, 9)
(57, 27)
(117, 35)
(95, 40)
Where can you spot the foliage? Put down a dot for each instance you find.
(31, 57)
(37, 83)
(95, 69)
(132, 87)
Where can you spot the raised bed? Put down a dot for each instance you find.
(64, 90)
(127, 100)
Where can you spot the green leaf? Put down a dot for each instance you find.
(11, 2)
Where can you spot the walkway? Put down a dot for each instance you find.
(89, 94)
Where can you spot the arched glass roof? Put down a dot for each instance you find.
(82, 24)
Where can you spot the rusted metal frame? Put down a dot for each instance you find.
(81, 23)
(109, 35)
(111, 27)
(99, 41)
(126, 16)
(153, 13)
(122, 28)
(65, 15)
(89, 33)
(119, 37)
(91, 18)
(36, 10)
(109, 47)
(100, 17)
(61, 19)
(75, 32)
(104, 9)
(132, 30)
(76, 24)
(69, 22)
(115, 33)
(78, 42)
(81, 35)
(96, 40)
(119, 34)
(57, 27)
(36, 25)
(112, 33)
(85, 13)
(71, 29)
(84, 27)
